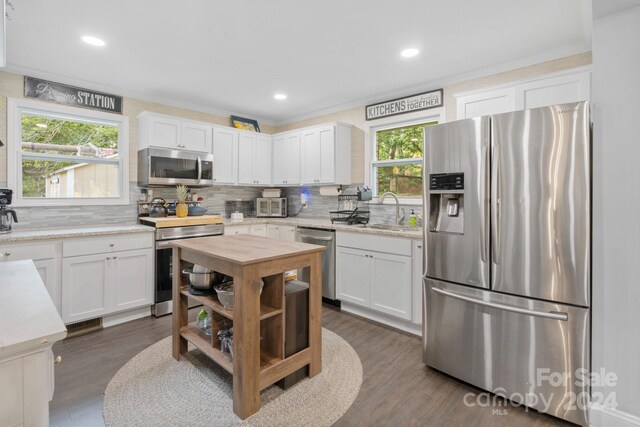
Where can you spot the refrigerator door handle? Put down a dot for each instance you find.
(545, 314)
(484, 250)
(495, 209)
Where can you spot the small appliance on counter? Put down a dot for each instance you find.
(6, 215)
(274, 207)
(246, 207)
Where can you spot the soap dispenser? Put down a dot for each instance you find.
(413, 219)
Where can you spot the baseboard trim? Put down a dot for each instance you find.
(601, 416)
(403, 325)
(126, 316)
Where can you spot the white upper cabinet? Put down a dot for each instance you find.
(196, 136)
(325, 155)
(157, 130)
(225, 155)
(550, 90)
(254, 158)
(286, 159)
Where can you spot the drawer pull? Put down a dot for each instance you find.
(111, 245)
(108, 258)
(115, 257)
(7, 254)
(57, 360)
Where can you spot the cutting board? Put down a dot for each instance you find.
(174, 221)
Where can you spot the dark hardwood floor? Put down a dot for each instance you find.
(397, 388)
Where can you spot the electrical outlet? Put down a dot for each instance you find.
(303, 200)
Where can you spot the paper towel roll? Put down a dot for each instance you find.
(331, 190)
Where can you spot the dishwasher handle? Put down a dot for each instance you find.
(324, 239)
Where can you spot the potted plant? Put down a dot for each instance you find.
(182, 210)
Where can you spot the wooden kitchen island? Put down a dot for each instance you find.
(257, 363)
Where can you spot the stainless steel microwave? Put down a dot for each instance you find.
(163, 167)
(272, 207)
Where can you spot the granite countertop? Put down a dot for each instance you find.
(327, 225)
(62, 233)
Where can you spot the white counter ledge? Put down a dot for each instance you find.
(27, 314)
(61, 233)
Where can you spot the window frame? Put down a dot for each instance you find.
(370, 162)
(15, 109)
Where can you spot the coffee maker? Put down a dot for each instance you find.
(6, 215)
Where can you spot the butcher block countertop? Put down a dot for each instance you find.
(174, 221)
(246, 249)
(27, 314)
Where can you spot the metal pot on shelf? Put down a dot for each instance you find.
(202, 279)
(158, 208)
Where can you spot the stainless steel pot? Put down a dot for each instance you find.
(158, 208)
(201, 278)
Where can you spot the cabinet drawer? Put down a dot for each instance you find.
(99, 245)
(34, 251)
(370, 242)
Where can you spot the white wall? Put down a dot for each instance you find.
(616, 212)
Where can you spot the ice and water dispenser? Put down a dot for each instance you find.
(446, 203)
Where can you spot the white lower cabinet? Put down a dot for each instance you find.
(96, 285)
(416, 281)
(376, 278)
(45, 256)
(259, 230)
(108, 282)
(281, 232)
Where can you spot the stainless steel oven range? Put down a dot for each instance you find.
(164, 272)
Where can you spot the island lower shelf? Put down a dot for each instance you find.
(212, 302)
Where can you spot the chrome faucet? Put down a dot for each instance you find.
(399, 219)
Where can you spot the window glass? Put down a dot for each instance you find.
(397, 166)
(68, 157)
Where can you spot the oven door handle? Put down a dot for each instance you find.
(162, 245)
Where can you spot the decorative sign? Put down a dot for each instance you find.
(70, 95)
(408, 104)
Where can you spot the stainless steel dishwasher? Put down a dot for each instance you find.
(326, 238)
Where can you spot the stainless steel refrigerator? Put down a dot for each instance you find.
(507, 261)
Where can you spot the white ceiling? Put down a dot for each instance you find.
(232, 56)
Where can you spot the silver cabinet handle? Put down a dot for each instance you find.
(419, 246)
(546, 314)
(108, 258)
(111, 245)
(57, 360)
(115, 257)
(7, 254)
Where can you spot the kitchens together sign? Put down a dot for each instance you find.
(70, 95)
(408, 104)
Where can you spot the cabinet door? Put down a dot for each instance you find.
(310, 156)
(225, 156)
(293, 158)
(327, 138)
(262, 160)
(553, 90)
(246, 158)
(353, 269)
(391, 284)
(273, 231)
(48, 270)
(196, 137)
(287, 233)
(237, 229)
(417, 255)
(84, 287)
(165, 132)
(489, 102)
(130, 282)
(259, 230)
(279, 160)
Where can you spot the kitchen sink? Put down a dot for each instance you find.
(391, 227)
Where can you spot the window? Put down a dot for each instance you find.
(396, 163)
(66, 156)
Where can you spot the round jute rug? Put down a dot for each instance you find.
(153, 389)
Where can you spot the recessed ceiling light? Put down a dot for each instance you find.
(409, 53)
(41, 125)
(280, 96)
(93, 41)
